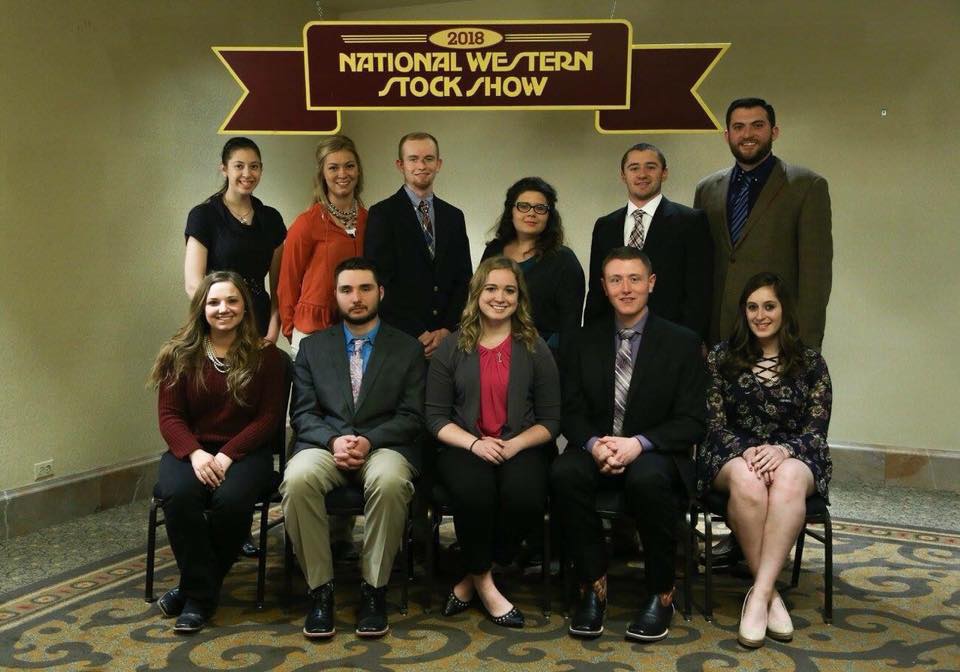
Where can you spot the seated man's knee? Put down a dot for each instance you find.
(392, 485)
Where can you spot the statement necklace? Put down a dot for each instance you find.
(219, 364)
(348, 217)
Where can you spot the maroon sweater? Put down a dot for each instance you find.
(191, 418)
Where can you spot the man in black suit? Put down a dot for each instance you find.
(634, 405)
(358, 416)
(675, 238)
(419, 244)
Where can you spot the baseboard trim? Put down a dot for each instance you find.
(927, 469)
(58, 500)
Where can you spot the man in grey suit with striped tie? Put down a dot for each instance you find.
(357, 412)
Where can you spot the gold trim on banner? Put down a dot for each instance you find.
(722, 46)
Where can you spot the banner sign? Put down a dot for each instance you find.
(488, 65)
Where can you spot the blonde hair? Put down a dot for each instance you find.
(521, 322)
(185, 353)
(326, 147)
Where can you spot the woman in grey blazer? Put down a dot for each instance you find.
(493, 401)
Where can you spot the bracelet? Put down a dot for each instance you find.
(472, 444)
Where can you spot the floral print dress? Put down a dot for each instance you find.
(793, 412)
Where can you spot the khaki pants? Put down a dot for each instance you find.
(386, 477)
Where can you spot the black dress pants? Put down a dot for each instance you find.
(494, 506)
(654, 493)
(206, 528)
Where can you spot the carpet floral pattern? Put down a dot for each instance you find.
(897, 593)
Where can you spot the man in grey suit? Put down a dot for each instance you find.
(766, 215)
(358, 416)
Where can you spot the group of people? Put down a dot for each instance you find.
(408, 362)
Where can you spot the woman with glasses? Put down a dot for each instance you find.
(530, 232)
(331, 230)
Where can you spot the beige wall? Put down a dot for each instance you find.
(108, 137)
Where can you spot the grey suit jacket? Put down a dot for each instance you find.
(788, 232)
(389, 408)
(453, 389)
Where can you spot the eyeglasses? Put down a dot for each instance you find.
(539, 208)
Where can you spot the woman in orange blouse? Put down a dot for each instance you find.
(328, 232)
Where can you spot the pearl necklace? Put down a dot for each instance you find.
(219, 364)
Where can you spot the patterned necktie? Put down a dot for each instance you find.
(622, 370)
(427, 225)
(636, 236)
(356, 367)
(740, 209)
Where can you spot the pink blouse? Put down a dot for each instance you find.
(494, 377)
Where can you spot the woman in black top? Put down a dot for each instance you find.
(530, 232)
(234, 231)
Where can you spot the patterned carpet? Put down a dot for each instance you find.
(896, 608)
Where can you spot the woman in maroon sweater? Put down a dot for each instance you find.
(222, 396)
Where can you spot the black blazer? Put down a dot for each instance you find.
(666, 401)
(389, 408)
(420, 294)
(678, 243)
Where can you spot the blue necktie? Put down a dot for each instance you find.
(741, 208)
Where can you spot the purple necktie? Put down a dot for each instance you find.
(622, 370)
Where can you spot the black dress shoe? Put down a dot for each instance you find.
(453, 605)
(191, 619)
(372, 614)
(726, 553)
(587, 618)
(319, 621)
(511, 619)
(171, 603)
(653, 621)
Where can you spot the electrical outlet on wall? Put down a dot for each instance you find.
(43, 470)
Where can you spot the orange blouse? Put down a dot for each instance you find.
(315, 245)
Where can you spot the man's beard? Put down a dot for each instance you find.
(762, 151)
(362, 319)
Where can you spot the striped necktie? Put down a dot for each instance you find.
(740, 209)
(427, 225)
(623, 371)
(636, 236)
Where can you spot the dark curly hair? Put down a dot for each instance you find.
(552, 237)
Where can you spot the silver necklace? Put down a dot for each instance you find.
(219, 364)
(243, 217)
(348, 217)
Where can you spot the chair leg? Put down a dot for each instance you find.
(707, 565)
(432, 548)
(798, 557)
(567, 569)
(262, 556)
(685, 605)
(545, 567)
(287, 562)
(151, 551)
(405, 554)
(827, 569)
